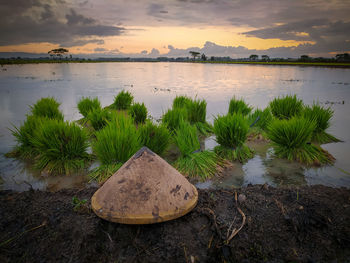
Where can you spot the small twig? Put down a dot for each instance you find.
(235, 232)
(185, 254)
(280, 206)
(21, 234)
(208, 212)
(109, 237)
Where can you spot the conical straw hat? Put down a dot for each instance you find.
(145, 190)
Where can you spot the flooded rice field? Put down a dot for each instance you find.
(156, 84)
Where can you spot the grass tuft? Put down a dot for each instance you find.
(24, 136)
(193, 162)
(291, 140)
(155, 137)
(99, 118)
(61, 147)
(118, 141)
(123, 100)
(47, 108)
(181, 102)
(173, 118)
(138, 112)
(87, 105)
(231, 133)
(322, 117)
(103, 172)
(286, 107)
(239, 106)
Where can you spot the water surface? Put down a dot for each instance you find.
(156, 84)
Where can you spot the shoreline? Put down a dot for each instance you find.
(282, 224)
(273, 63)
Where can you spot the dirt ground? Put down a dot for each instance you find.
(305, 224)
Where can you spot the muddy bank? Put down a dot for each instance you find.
(307, 224)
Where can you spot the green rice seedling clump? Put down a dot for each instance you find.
(260, 118)
(231, 133)
(87, 105)
(239, 106)
(61, 147)
(123, 100)
(138, 112)
(173, 118)
(291, 140)
(118, 141)
(47, 108)
(155, 137)
(286, 107)
(181, 102)
(24, 136)
(197, 110)
(192, 161)
(101, 173)
(322, 117)
(99, 118)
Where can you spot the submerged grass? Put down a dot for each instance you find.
(239, 106)
(61, 147)
(193, 162)
(155, 137)
(87, 105)
(291, 140)
(231, 133)
(286, 107)
(118, 141)
(123, 100)
(47, 108)
(138, 112)
(322, 117)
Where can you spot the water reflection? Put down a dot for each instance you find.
(156, 84)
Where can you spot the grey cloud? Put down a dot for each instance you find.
(37, 22)
(100, 49)
(144, 52)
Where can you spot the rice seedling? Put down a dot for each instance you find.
(48, 108)
(138, 112)
(322, 117)
(231, 133)
(291, 140)
(181, 102)
(155, 137)
(260, 118)
(192, 161)
(61, 147)
(123, 100)
(101, 173)
(118, 141)
(286, 107)
(258, 122)
(24, 135)
(173, 118)
(99, 118)
(87, 105)
(239, 106)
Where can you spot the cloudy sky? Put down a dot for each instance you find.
(142, 28)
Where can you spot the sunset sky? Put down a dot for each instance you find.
(141, 28)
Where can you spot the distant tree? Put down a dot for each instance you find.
(265, 58)
(58, 52)
(212, 58)
(203, 57)
(194, 54)
(342, 57)
(304, 58)
(253, 57)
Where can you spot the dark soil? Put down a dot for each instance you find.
(308, 224)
